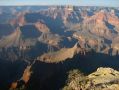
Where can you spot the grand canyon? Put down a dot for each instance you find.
(59, 48)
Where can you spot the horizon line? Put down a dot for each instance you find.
(61, 5)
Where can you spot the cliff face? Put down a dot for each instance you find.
(11, 40)
(59, 56)
(102, 79)
(56, 23)
(88, 40)
(50, 39)
(42, 27)
(24, 79)
(101, 25)
(5, 29)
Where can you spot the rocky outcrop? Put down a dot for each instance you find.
(58, 56)
(88, 40)
(25, 78)
(18, 19)
(115, 46)
(105, 79)
(67, 14)
(102, 79)
(50, 39)
(21, 19)
(42, 27)
(100, 24)
(11, 40)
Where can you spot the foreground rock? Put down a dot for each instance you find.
(102, 79)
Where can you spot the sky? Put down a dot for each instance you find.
(112, 3)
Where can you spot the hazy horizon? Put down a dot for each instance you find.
(107, 3)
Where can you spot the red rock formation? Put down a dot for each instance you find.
(26, 74)
(42, 27)
(97, 23)
(61, 55)
(103, 16)
(114, 20)
(11, 40)
(25, 77)
(21, 19)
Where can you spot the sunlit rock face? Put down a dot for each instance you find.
(101, 25)
(42, 27)
(88, 40)
(106, 77)
(21, 19)
(59, 56)
(50, 39)
(11, 40)
(102, 79)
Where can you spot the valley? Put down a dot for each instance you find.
(39, 45)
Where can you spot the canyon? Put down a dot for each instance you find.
(39, 44)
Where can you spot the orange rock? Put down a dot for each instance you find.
(13, 85)
(26, 74)
(41, 27)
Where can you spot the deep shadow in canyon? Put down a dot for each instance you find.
(47, 76)
(53, 76)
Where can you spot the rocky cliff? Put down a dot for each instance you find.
(102, 79)
(60, 55)
(11, 40)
